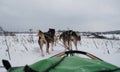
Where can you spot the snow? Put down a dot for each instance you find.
(24, 49)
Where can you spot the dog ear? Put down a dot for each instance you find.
(37, 30)
(71, 33)
(79, 37)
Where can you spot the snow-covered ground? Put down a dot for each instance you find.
(24, 49)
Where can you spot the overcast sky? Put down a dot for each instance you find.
(80, 15)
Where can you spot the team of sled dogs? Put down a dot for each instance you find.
(49, 37)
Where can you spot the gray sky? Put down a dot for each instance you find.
(80, 15)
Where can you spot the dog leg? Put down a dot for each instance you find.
(52, 46)
(55, 40)
(47, 48)
(64, 43)
(70, 44)
(41, 50)
(75, 43)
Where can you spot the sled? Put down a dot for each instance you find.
(66, 62)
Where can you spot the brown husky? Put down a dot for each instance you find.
(68, 37)
(46, 38)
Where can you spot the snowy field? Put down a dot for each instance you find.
(23, 49)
